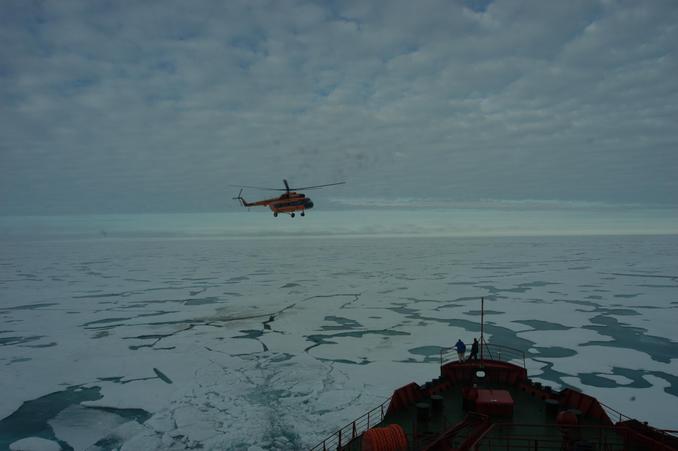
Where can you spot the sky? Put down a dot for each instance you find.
(127, 107)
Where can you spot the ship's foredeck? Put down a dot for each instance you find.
(445, 410)
(491, 404)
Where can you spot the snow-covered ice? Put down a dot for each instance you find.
(34, 444)
(274, 344)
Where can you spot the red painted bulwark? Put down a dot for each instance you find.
(497, 371)
(587, 405)
(404, 396)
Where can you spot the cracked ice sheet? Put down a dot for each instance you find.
(570, 338)
(208, 403)
(237, 384)
(180, 365)
(81, 427)
(377, 347)
(659, 322)
(564, 313)
(253, 402)
(603, 358)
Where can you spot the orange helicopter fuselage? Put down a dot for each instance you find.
(287, 203)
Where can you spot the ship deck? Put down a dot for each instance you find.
(532, 424)
(530, 427)
(490, 404)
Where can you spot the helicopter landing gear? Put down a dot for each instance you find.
(275, 214)
(292, 215)
(302, 213)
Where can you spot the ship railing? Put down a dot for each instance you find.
(614, 415)
(354, 429)
(617, 417)
(490, 351)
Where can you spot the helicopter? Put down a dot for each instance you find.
(289, 202)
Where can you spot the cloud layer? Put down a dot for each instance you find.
(124, 107)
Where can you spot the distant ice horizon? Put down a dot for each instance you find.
(531, 220)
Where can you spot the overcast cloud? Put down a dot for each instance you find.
(158, 106)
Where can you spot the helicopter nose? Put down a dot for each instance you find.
(308, 204)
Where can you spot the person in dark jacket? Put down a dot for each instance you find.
(461, 349)
(474, 350)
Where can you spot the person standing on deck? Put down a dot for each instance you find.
(474, 350)
(461, 349)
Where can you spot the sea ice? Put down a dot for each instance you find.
(34, 444)
(82, 427)
(237, 344)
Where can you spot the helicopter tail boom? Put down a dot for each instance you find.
(243, 202)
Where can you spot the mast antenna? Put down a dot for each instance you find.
(482, 321)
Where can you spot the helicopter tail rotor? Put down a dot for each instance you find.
(240, 198)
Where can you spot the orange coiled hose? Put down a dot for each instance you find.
(390, 438)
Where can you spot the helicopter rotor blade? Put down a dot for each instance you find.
(259, 187)
(319, 186)
(288, 188)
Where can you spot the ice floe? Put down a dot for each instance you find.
(264, 344)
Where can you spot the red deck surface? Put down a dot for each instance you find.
(494, 402)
